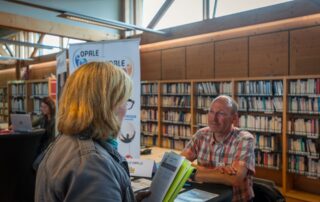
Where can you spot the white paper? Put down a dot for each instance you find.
(140, 184)
(140, 167)
(168, 168)
(195, 195)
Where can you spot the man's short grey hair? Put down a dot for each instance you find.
(230, 102)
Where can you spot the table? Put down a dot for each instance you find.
(224, 191)
(17, 177)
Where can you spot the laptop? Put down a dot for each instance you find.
(21, 122)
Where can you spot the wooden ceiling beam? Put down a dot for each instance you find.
(26, 23)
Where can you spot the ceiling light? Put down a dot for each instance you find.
(15, 58)
(106, 23)
(23, 43)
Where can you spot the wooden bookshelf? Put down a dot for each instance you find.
(38, 89)
(267, 99)
(3, 104)
(149, 113)
(175, 113)
(24, 95)
(260, 112)
(302, 137)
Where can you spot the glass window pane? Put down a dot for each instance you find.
(68, 41)
(150, 8)
(179, 13)
(227, 7)
(51, 41)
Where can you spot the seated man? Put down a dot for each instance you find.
(224, 153)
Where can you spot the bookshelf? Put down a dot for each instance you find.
(260, 112)
(302, 136)
(17, 94)
(149, 113)
(281, 112)
(3, 104)
(38, 89)
(175, 114)
(204, 93)
(25, 95)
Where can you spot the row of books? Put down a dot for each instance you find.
(202, 119)
(39, 89)
(149, 128)
(18, 105)
(36, 105)
(18, 90)
(176, 88)
(268, 160)
(214, 88)
(3, 104)
(176, 131)
(302, 146)
(260, 88)
(270, 104)
(173, 143)
(149, 88)
(304, 166)
(176, 101)
(149, 114)
(304, 104)
(305, 86)
(148, 140)
(176, 117)
(266, 143)
(4, 111)
(308, 127)
(149, 100)
(204, 102)
(261, 123)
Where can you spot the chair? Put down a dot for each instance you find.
(266, 191)
(17, 177)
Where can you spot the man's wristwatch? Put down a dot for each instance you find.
(193, 175)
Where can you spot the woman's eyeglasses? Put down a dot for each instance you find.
(130, 104)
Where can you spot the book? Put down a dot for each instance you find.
(173, 172)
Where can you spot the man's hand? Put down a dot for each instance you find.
(229, 170)
(142, 194)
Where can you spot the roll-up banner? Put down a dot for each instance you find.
(124, 54)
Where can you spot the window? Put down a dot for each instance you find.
(188, 11)
(179, 13)
(227, 7)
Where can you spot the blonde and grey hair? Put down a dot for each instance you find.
(229, 101)
(90, 98)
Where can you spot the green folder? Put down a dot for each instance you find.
(178, 182)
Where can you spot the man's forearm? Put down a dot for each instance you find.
(216, 176)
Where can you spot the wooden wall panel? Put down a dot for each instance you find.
(305, 51)
(7, 75)
(151, 66)
(231, 58)
(268, 54)
(42, 72)
(200, 61)
(174, 63)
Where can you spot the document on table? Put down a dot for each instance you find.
(169, 166)
(195, 195)
(140, 184)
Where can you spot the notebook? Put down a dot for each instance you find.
(21, 122)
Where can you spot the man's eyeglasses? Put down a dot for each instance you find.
(130, 104)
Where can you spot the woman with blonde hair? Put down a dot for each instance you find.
(83, 163)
